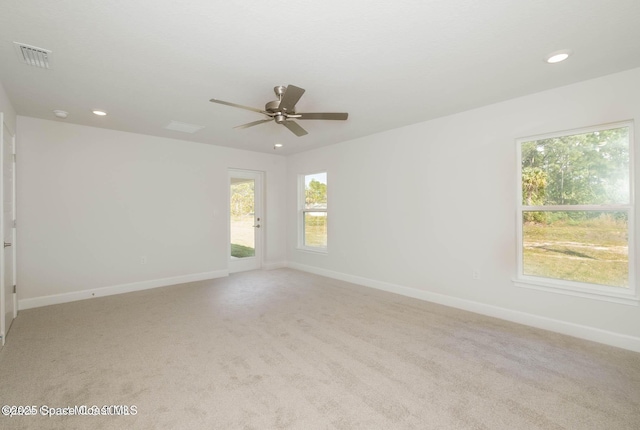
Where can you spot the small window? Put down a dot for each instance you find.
(575, 212)
(313, 211)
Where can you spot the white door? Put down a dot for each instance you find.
(7, 218)
(246, 221)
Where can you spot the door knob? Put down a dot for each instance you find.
(7, 244)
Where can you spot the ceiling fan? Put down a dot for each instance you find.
(283, 110)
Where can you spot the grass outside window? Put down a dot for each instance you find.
(593, 251)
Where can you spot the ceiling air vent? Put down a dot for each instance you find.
(183, 127)
(33, 56)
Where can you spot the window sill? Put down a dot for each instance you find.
(560, 287)
(321, 251)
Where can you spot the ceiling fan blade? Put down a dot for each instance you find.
(236, 105)
(251, 124)
(291, 96)
(295, 128)
(340, 116)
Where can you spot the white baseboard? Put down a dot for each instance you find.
(576, 330)
(273, 266)
(55, 299)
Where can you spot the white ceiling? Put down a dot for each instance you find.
(389, 64)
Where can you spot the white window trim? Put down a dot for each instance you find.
(302, 210)
(627, 296)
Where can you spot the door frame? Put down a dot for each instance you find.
(247, 263)
(3, 305)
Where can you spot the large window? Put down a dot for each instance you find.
(313, 211)
(575, 213)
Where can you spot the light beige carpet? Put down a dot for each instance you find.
(288, 350)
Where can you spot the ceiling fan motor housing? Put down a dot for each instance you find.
(273, 106)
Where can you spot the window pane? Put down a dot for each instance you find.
(577, 246)
(315, 191)
(588, 168)
(315, 229)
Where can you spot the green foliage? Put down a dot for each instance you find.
(242, 198)
(589, 168)
(587, 218)
(534, 182)
(315, 193)
(241, 251)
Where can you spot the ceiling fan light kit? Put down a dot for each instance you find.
(282, 111)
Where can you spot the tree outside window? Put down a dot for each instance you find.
(576, 206)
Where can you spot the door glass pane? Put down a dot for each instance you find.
(583, 246)
(242, 218)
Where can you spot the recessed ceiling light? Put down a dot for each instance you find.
(557, 56)
(278, 146)
(60, 113)
(99, 112)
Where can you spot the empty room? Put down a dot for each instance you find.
(320, 215)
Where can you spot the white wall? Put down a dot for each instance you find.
(93, 201)
(7, 109)
(424, 205)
